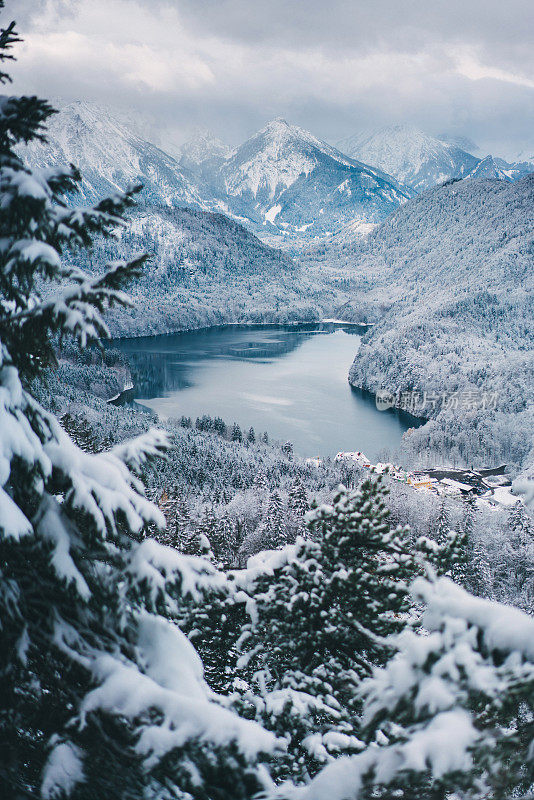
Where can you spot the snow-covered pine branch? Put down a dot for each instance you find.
(101, 694)
(451, 713)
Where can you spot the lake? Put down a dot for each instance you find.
(286, 379)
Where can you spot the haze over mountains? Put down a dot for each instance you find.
(420, 161)
(283, 183)
(111, 156)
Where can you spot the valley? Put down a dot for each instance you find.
(266, 402)
(286, 227)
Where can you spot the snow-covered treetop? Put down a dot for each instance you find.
(439, 703)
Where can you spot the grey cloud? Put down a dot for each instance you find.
(333, 66)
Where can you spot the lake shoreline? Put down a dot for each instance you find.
(288, 379)
(242, 326)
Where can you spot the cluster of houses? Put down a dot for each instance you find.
(490, 484)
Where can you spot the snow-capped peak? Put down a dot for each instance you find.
(275, 157)
(202, 146)
(412, 156)
(110, 154)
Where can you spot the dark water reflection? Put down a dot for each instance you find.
(288, 380)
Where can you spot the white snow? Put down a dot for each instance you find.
(503, 627)
(158, 567)
(186, 707)
(272, 213)
(62, 771)
(54, 527)
(413, 157)
(263, 563)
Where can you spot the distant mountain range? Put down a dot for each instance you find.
(286, 180)
(420, 161)
(283, 183)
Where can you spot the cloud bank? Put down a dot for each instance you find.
(334, 67)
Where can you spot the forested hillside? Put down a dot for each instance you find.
(448, 280)
(205, 269)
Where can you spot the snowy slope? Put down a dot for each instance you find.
(282, 183)
(449, 281)
(489, 167)
(110, 156)
(206, 269)
(492, 167)
(413, 157)
(201, 148)
(285, 179)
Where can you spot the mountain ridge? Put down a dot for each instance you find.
(448, 280)
(316, 187)
(413, 157)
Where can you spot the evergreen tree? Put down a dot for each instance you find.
(213, 622)
(287, 449)
(168, 505)
(251, 436)
(224, 541)
(298, 499)
(440, 529)
(460, 721)
(464, 571)
(518, 554)
(183, 524)
(82, 436)
(261, 484)
(274, 524)
(101, 695)
(318, 622)
(236, 434)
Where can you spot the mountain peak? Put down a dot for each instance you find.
(278, 122)
(202, 146)
(413, 157)
(281, 128)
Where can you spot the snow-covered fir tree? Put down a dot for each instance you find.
(318, 622)
(101, 694)
(451, 715)
(298, 499)
(274, 523)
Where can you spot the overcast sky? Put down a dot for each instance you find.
(464, 67)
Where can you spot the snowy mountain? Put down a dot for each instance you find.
(205, 269)
(490, 167)
(289, 182)
(499, 169)
(283, 183)
(448, 279)
(463, 142)
(111, 156)
(201, 148)
(413, 157)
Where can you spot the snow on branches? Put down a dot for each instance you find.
(451, 711)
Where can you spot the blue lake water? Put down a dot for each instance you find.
(288, 380)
